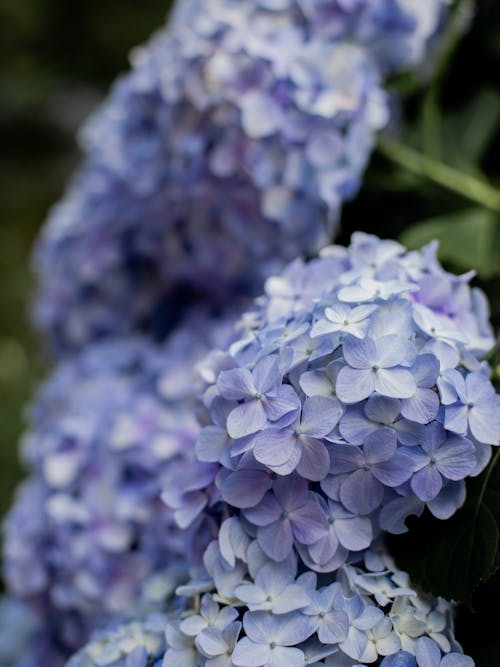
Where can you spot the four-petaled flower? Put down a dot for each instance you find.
(261, 396)
(375, 365)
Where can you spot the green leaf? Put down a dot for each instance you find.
(468, 133)
(452, 558)
(470, 239)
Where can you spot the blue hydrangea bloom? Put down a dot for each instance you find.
(109, 428)
(354, 397)
(256, 612)
(226, 152)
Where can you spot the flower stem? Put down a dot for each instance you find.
(465, 185)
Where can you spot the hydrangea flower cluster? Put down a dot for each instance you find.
(226, 152)
(354, 397)
(256, 612)
(109, 429)
(259, 612)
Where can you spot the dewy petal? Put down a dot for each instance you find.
(395, 383)
(245, 488)
(236, 384)
(354, 385)
(361, 493)
(276, 540)
(360, 354)
(427, 483)
(246, 419)
(314, 462)
(320, 415)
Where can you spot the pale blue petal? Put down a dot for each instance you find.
(354, 385)
(394, 382)
(246, 419)
(361, 492)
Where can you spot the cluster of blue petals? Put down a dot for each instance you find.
(354, 397)
(225, 153)
(110, 429)
(256, 612)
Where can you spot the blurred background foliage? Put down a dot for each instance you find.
(437, 175)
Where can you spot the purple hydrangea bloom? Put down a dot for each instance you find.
(224, 153)
(314, 424)
(109, 429)
(364, 613)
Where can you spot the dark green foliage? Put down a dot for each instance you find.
(452, 558)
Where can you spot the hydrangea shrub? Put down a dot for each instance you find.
(225, 153)
(110, 428)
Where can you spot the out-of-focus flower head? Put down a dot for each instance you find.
(256, 612)
(226, 152)
(354, 397)
(18, 625)
(89, 526)
(137, 637)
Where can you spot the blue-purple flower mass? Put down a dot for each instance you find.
(226, 152)
(354, 397)
(254, 612)
(110, 428)
(208, 491)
